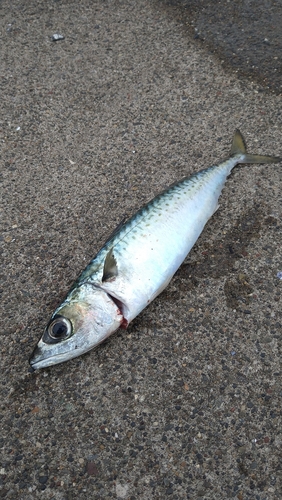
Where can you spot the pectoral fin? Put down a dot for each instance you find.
(110, 267)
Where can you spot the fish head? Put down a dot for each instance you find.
(86, 318)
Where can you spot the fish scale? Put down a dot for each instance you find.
(150, 252)
(137, 262)
(165, 202)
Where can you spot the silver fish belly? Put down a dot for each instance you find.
(137, 262)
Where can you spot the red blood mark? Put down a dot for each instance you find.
(124, 324)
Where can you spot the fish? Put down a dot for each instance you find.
(137, 262)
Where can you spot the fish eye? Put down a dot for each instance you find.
(60, 328)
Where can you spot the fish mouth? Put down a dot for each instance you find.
(44, 363)
(36, 364)
(40, 359)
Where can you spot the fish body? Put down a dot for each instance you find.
(137, 262)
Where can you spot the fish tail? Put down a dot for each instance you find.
(239, 148)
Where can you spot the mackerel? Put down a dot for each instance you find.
(137, 262)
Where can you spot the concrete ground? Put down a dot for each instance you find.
(187, 402)
(245, 35)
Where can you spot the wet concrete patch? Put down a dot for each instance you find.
(245, 35)
(218, 259)
(238, 292)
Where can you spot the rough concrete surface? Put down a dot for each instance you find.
(245, 35)
(187, 402)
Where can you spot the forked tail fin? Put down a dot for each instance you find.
(239, 148)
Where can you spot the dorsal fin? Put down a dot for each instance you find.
(110, 266)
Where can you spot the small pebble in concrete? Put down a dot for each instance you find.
(56, 37)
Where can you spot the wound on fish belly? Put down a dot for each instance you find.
(124, 321)
(124, 324)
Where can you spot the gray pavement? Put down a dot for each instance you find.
(187, 402)
(244, 35)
